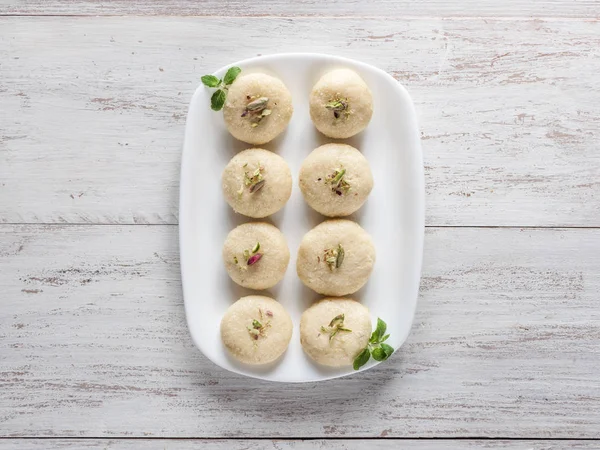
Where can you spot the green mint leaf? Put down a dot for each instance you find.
(378, 354)
(383, 339)
(231, 75)
(380, 330)
(210, 81)
(362, 358)
(378, 333)
(217, 100)
(388, 349)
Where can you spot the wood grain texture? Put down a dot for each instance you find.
(93, 343)
(318, 444)
(94, 110)
(343, 8)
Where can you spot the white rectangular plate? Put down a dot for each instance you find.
(393, 214)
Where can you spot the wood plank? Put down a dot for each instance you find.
(318, 444)
(94, 110)
(93, 343)
(303, 8)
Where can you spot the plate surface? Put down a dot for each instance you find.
(393, 214)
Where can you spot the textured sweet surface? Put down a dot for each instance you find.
(256, 329)
(244, 196)
(317, 247)
(341, 348)
(248, 87)
(268, 242)
(346, 89)
(318, 184)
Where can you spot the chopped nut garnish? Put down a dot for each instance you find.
(338, 106)
(334, 257)
(337, 181)
(257, 105)
(335, 326)
(250, 257)
(340, 256)
(257, 329)
(257, 187)
(256, 110)
(254, 181)
(254, 259)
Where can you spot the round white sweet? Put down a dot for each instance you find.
(256, 255)
(341, 104)
(320, 266)
(335, 180)
(257, 194)
(252, 125)
(319, 337)
(256, 329)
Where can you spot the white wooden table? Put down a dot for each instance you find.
(94, 349)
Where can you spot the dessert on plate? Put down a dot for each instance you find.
(258, 108)
(335, 258)
(334, 331)
(257, 183)
(256, 255)
(256, 329)
(341, 104)
(335, 180)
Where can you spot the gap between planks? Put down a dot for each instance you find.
(322, 438)
(313, 16)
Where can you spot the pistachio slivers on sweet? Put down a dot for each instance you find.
(337, 320)
(257, 105)
(337, 181)
(256, 110)
(254, 259)
(253, 181)
(251, 257)
(338, 106)
(339, 259)
(257, 187)
(334, 257)
(258, 329)
(335, 326)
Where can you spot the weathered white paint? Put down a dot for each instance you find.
(93, 110)
(344, 8)
(318, 444)
(93, 343)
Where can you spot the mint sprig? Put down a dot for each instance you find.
(231, 75)
(376, 347)
(220, 95)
